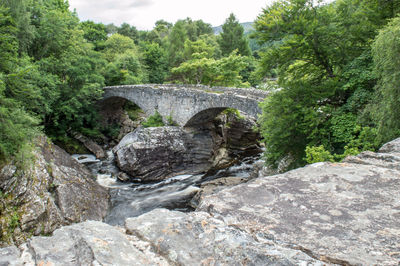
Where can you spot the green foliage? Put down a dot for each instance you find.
(321, 55)
(8, 41)
(14, 221)
(133, 110)
(170, 121)
(232, 38)
(155, 120)
(176, 47)
(16, 126)
(182, 31)
(118, 44)
(233, 111)
(124, 65)
(208, 71)
(386, 54)
(129, 31)
(156, 62)
(95, 33)
(70, 145)
(318, 154)
(112, 131)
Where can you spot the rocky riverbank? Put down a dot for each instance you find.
(323, 214)
(53, 191)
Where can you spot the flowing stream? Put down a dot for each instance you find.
(130, 199)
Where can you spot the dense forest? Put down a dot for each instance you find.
(333, 71)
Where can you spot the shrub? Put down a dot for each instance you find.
(155, 120)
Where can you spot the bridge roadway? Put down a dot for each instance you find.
(188, 105)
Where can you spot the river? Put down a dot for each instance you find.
(130, 199)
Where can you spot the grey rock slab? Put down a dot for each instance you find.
(336, 212)
(198, 239)
(87, 243)
(10, 256)
(387, 160)
(391, 147)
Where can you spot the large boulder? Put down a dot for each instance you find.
(343, 213)
(156, 153)
(50, 191)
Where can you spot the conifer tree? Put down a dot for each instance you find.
(232, 38)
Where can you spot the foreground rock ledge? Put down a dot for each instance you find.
(344, 213)
(160, 237)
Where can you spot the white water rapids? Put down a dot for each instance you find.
(130, 199)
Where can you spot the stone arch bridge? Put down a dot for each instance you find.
(188, 105)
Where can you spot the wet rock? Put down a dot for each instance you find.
(345, 213)
(123, 177)
(199, 239)
(90, 145)
(88, 243)
(123, 206)
(157, 153)
(52, 191)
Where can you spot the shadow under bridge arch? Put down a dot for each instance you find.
(205, 116)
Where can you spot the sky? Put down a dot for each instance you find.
(144, 13)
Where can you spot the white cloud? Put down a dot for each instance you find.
(140, 3)
(144, 13)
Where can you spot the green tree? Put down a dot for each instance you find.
(8, 42)
(320, 53)
(21, 16)
(17, 127)
(129, 31)
(386, 54)
(118, 44)
(176, 46)
(111, 29)
(232, 38)
(124, 69)
(124, 66)
(156, 62)
(201, 69)
(159, 33)
(95, 33)
(198, 46)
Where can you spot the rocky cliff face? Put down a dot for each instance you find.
(54, 190)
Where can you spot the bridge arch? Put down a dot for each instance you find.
(188, 105)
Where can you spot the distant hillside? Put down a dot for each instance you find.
(248, 27)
